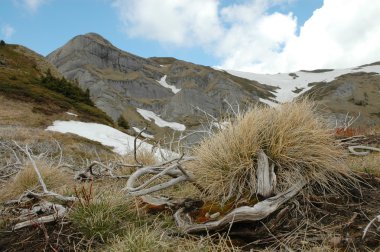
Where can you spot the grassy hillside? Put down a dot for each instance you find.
(22, 78)
(354, 93)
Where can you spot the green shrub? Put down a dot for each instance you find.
(66, 88)
(122, 122)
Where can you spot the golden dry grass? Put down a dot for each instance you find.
(26, 179)
(295, 139)
(369, 164)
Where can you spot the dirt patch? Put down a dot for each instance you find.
(48, 237)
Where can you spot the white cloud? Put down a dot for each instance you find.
(30, 5)
(7, 31)
(180, 22)
(245, 36)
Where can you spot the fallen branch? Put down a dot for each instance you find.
(353, 149)
(174, 170)
(89, 173)
(59, 212)
(369, 225)
(245, 213)
(45, 191)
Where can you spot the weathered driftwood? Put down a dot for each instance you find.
(377, 218)
(89, 174)
(255, 213)
(266, 178)
(59, 212)
(173, 170)
(44, 206)
(353, 149)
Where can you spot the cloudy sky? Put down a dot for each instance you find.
(264, 36)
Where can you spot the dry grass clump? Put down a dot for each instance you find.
(26, 179)
(294, 138)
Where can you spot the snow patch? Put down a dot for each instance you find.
(166, 85)
(288, 82)
(149, 115)
(120, 142)
(146, 135)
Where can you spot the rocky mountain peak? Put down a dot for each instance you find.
(120, 83)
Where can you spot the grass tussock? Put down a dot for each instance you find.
(294, 138)
(102, 213)
(26, 179)
(154, 238)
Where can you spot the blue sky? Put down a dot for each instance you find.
(229, 39)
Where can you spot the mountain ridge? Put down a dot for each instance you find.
(120, 83)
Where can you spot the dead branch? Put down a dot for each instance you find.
(135, 147)
(266, 178)
(353, 149)
(59, 212)
(172, 170)
(89, 173)
(369, 225)
(258, 212)
(45, 192)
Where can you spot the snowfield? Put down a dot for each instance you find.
(150, 115)
(287, 82)
(120, 142)
(163, 83)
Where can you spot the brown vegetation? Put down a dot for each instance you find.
(298, 143)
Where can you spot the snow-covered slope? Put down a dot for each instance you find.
(289, 82)
(120, 142)
(163, 83)
(150, 115)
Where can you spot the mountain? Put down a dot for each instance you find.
(143, 90)
(341, 94)
(34, 93)
(167, 94)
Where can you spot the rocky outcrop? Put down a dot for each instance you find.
(119, 82)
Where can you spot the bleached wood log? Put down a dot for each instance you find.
(59, 213)
(175, 171)
(266, 178)
(369, 225)
(245, 213)
(353, 149)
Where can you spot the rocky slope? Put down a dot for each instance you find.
(120, 83)
(349, 96)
